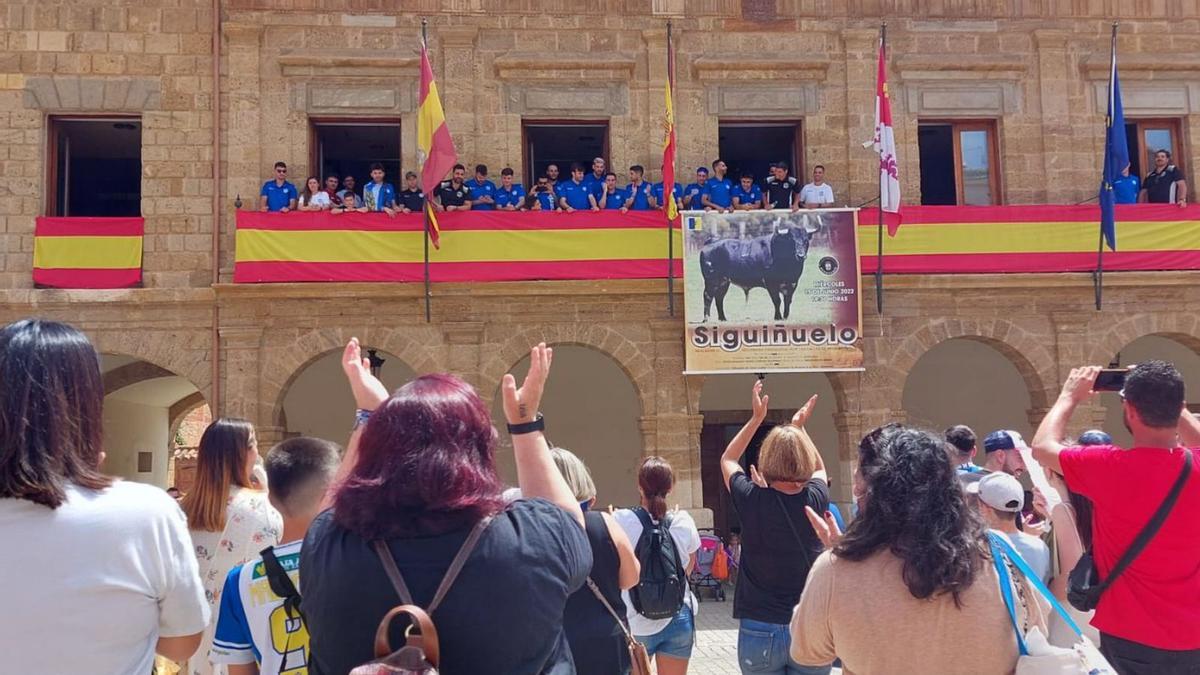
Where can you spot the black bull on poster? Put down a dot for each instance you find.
(771, 291)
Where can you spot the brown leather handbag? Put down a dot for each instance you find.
(639, 660)
(420, 654)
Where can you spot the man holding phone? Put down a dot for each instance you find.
(1149, 618)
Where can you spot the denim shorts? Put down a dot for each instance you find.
(676, 639)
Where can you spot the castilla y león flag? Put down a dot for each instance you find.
(435, 148)
(885, 144)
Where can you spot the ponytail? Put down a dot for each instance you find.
(656, 479)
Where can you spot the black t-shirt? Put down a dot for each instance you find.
(503, 615)
(1158, 185)
(454, 196)
(596, 641)
(774, 563)
(413, 200)
(779, 193)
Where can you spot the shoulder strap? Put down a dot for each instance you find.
(600, 596)
(792, 525)
(280, 583)
(1152, 527)
(456, 565)
(644, 516)
(1006, 591)
(1006, 549)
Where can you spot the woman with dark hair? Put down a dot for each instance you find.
(418, 484)
(313, 198)
(668, 641)
(778, 543)
(98, 573)
(230, 520)
(915, 562)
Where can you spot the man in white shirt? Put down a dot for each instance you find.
(1000, 500)
(817, 194)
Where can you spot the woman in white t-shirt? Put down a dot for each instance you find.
(96, 574)
(313, 198)
(230, 521)
(669, 641)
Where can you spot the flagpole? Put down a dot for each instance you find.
(879, 180)
(1098, 277)
(669, 190)
(428, 206)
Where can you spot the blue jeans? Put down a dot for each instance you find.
(676, 640)
(763, 648)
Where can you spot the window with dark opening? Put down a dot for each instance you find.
(958, 163)
(754, 146)
(563, 143)
(95, 166)
(1148, 136)
(350, 147)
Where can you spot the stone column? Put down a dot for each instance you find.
(862, 167)
(241, 351)
(464, 356)
(1071, 341)
(458, 82)
(268, 436)
(1055, 80)
(242, 124)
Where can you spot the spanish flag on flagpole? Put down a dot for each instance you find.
(435, 148)
(668, 166)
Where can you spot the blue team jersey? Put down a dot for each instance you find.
(753, 195)
(641, 195)
(278, 196)
(596, 185)
(1126, 189)
(253, 626)
(719, 191)
(576, 195)
(514, 197)
(616, 200)
(657, 191)
(485, 189)
(693, 193)
(548, 200)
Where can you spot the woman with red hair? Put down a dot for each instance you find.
(418, 484)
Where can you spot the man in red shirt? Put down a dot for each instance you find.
(1149, 619)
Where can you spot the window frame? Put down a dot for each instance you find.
(1173, 125)
(50, 193)
(995, 172)
(798, 167)
(314, 143)
(563, 172)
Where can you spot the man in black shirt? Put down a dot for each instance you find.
(1164, 185)
(411, 199)
(454, 194)
(781, 189)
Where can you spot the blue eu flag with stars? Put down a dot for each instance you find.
(1116, 155)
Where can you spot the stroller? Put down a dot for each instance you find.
(711, 547)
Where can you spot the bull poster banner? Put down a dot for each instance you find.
(771, 291)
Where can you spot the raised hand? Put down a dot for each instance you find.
(826, 527)
(1079, 383)
(802, 415)
(758, 402)
(521, 405)
(369, 392)
(756, 477)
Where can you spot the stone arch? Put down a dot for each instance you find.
(637, 365)
(1180, 349)
(1181, 327)
(285, 362)
(179, 353)
(1033, 358)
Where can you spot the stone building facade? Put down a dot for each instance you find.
(1035, 69)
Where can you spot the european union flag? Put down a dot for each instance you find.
(1116, 154)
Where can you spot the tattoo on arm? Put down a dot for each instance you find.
(522, 411)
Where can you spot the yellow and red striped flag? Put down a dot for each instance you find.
(435, 148)
(87, 252)
(668, 166)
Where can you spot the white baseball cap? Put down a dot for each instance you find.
(999, 491)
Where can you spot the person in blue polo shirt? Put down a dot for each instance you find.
(278, 195)
(612, 197)
(378, 195)
(595, 179)
(638, 193)
(718, 191)
(660, 203)
(541, 198)
(509, 196)
(694, 192)
(574, 195)
(747, 196)
(1126, 187)
(483, 191)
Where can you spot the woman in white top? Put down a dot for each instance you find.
(230, 521)
(97, 574)
(313, 198)
(669, 641)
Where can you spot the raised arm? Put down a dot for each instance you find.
(1047, 443)
(537, 476)
(1189, 429)
(730, 460)
(369, 394)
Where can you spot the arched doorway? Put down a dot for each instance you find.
(143, 406)
(592, 409)
(318, 402)
(1145, 348)
(725, 404)
(967, 381)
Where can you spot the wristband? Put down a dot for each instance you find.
(538, 424)
(360, 418)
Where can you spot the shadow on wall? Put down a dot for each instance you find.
(591, 409)
(319, 403)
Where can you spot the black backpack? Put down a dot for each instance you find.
(663, 584)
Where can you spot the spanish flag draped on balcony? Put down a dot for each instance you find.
(435, 148)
